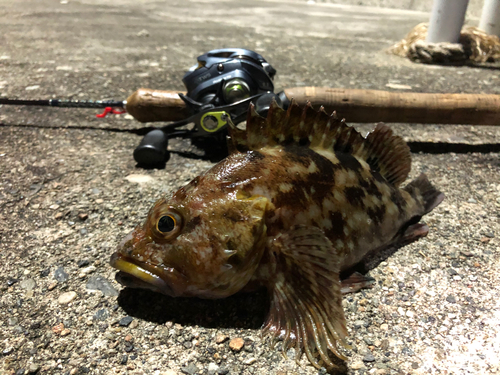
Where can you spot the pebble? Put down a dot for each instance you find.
(212, 368)
(33, 368)
(221, 338)
(61, 275)
(125, 321)
(45, 272)
(143, 33)
(190, 369)
(139, 178)
(368, 357)
(83, 263)
(236, 344)
(7, 350)
(31, 88)
(66, 298)
(102, 284)
(452, 271)
(83, 216)
(28, 284)
(101, 314)
(451, 299)
(57, 329)
(357, 365)
(65, 332)
(85, 271)
(250, 361)
(407, 351)
(58, 216)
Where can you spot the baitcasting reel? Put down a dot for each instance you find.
(220, 88)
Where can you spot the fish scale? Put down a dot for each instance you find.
(301, 200)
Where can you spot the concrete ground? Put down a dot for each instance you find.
(69, 191)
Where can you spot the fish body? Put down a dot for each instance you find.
(301, 198)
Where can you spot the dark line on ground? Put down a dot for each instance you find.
(457, 148)
(415, 146)
(138, 131)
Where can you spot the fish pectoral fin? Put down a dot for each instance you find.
(306, 306)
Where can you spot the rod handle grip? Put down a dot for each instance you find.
(147, 105)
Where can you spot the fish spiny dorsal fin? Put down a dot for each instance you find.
(384, 152)
(277, 122)
(387, 154)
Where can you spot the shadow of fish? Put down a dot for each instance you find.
(301, 198)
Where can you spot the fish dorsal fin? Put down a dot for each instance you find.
(386, 153)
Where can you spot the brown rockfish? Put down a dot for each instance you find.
(301, 199)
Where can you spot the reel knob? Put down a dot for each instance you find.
(152, 151)
(235, 90)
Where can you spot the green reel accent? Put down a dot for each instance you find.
(212, 122)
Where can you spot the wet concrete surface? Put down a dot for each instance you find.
(65, 197)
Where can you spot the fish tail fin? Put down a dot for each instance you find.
(421, 187)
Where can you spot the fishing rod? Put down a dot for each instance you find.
(224, 83)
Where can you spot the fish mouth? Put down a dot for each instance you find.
(136, 274)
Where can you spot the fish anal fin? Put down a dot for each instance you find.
(411, 232)
(421, 187)
(387, 154)
(355, 282)
(306, 306)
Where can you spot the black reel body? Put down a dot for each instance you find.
(219, 88)
(225, 76)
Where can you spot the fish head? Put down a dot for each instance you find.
(195, 244)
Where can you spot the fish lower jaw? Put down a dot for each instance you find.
(130, 281)
(136, 275)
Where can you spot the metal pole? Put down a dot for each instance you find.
(446, 21)
(490, 17)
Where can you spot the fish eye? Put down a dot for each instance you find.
(166, 224)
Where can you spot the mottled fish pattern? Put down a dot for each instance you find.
(301, 198)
